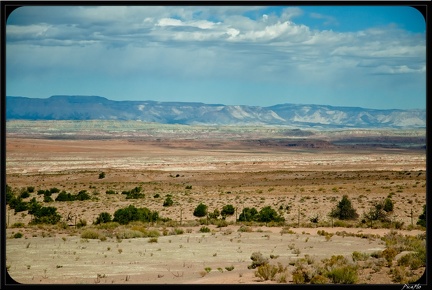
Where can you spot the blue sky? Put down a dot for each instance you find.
(363, 56)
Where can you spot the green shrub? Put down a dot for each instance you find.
(101, 175)
(110, 191)
(17, 225)
(46, 215)
(18, 235)
(422, 218)
(24, 194)
(200, 210)
(153, 240)
(204, 229)
(103, 217)
(357, 256)
(229, 268)
(227, 210)
(168, 202)
(82, 195)
(64, 196)
(47, 199)
(131, 213)
(81, 223)
(268, 214)
(248, 214)
(388, 205)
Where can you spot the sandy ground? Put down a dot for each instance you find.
(310, 182)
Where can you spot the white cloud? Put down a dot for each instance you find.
(206, 42)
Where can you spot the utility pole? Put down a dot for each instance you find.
(412, 218)
(298, 218)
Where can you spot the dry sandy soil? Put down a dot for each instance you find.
(310, 182)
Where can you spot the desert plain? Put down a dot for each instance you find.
(301, 174)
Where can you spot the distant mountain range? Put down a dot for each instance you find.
(190, 113)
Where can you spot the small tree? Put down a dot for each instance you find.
(200, 210)
(378, 211)
(268, 214)
(422, 218)
(344, 210)
(168, 201)
(388, 205)
(248, 214)
(103, 217)
(227, 210)
(101, 175)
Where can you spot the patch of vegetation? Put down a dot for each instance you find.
(103, 217)
(257, 260)
(204, 229)
(64, 196)
(168, 201)
(131, 213)
(344, 210)
(422, 218)
(200, 210)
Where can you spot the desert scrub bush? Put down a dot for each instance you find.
(108, 226)
(18, 235)
(204, 229)
(129, 234)
(176, 231)
(257, 260)
(286, 230)
(229, 268)
(153, 240)
(92, 234)
(153, 233)
(339, 270)
(357, 256)
(266, 272)
(168, 201)
(301, 274)
(343, 275)
(413, 260)
(17, 225)
(245, 229)
(221, 223)
(81, 223)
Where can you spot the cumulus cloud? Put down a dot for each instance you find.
(227, 42)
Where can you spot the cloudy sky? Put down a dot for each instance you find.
(366, 56)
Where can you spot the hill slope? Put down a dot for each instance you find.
(100, 108)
